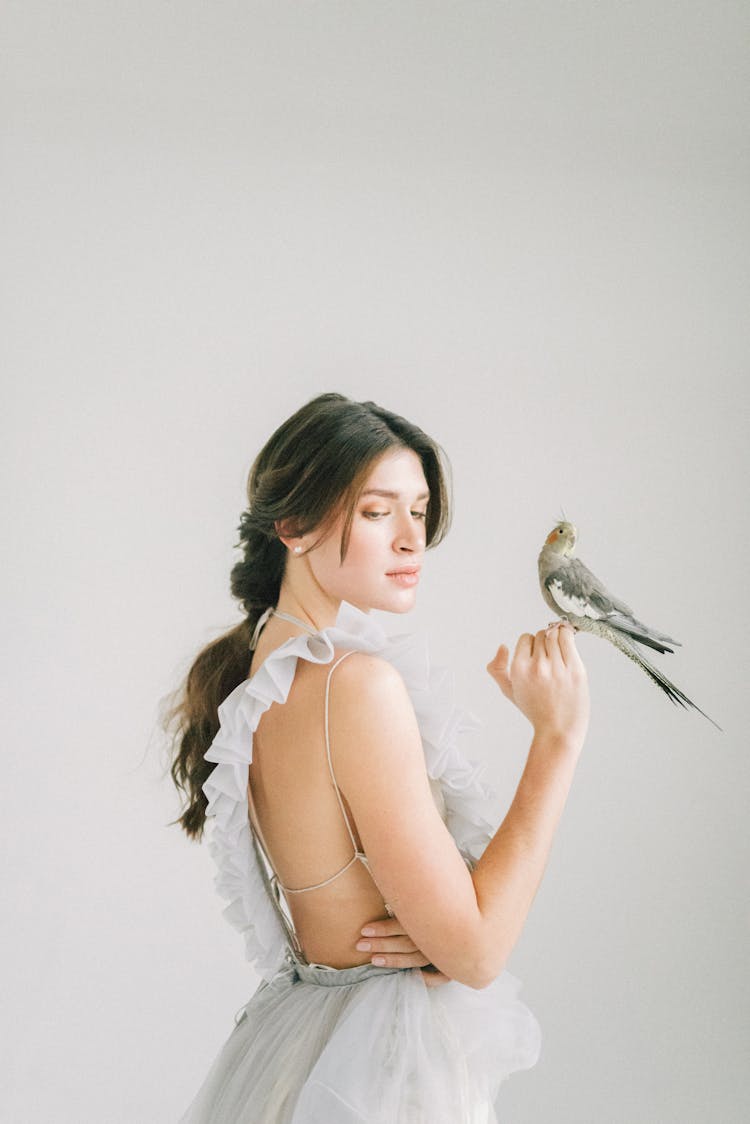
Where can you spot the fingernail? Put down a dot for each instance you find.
(379, 960)
(364, 946)
(368, 931)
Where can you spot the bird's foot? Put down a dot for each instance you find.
(560, 623)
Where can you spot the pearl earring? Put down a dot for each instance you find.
(298, 550)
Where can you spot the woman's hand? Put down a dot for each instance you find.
(391, 947)
(547, 682)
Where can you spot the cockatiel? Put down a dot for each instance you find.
(577, 595)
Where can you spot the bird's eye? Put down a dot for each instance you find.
(559, 530)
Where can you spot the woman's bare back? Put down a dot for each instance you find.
(302, 823)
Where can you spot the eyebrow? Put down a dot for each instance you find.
(391, 495)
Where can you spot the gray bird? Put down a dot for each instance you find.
(577, 595)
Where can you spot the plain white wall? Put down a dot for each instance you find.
(523, 226)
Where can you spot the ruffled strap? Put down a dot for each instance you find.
(239, 879)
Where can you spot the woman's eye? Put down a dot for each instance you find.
(382, 514)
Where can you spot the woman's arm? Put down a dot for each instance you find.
(466, 924)
(394, 948)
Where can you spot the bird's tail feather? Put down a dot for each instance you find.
(673, 693)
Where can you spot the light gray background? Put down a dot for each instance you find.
(522, 226)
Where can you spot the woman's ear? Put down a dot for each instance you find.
(286, 530)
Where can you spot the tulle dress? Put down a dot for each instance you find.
(322, 1045)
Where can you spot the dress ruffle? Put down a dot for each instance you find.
(239, 879)
(348, 1045)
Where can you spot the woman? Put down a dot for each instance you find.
(348, 829)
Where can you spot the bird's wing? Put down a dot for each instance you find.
(576, 590)
(641, 632)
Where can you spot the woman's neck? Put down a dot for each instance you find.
(303, 597)
(315, 615)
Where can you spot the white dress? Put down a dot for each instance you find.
(321, 1045)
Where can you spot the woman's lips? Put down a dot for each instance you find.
(405, 577)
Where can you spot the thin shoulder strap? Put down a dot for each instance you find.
(357, 852)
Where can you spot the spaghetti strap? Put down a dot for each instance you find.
(357, 853)
(255, 824)
(358, 856)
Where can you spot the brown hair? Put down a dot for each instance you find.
(309, 471)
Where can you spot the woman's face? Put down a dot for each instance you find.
(386, 543)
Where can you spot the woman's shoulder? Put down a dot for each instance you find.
(355, 688)
(364, 673)
(358, 686)
(369, 708)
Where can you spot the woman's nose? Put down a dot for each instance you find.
(411, 535)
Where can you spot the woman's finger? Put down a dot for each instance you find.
(400, 943)
(498, 669)
(540, 644)
(383, 927)
(567, 643)
(552, 640)
(399, 960)
(524, 647)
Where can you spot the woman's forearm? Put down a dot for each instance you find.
(507, 876)
(471, 929)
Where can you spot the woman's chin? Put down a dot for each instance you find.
(405, 608)
(403, 604)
